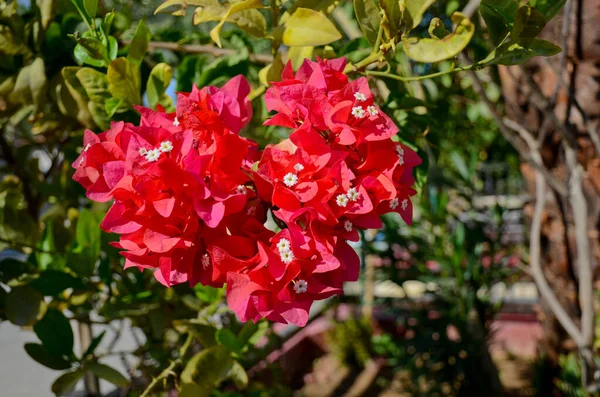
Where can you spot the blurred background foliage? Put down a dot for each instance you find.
(422, 311)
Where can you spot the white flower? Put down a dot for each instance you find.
(284, 245)
(166, 146)
(241, 189)
(353, 194)
(205, 261)
(404, 204)
(287, 257)
(143, 151)
(401, 159)
(360, 96)
(372, 110)
(298, 167)
(300, 286)
(394, 203)
(400, 152)
(85, 149)
(290, 179)
(348, 226)
(153, 155)
(358, 112)
(341, 200)
(176, 122)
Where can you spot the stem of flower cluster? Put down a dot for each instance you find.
(169, 370)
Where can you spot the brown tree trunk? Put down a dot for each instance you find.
(570, 82)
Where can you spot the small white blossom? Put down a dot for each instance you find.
(404, 204)
(287, 257)
(394, 203)
(85, 149)
(301, 286)
(298, 167)
(401, 159)
(143, 151)
(358, 112)
(348, 226)
(153, 155)
(341, 200)
(353, 194)
(284, 245)
(360, 96)
(290, 179)
(166, 146)
(399, 150)
(241, 189)
(205, 261)
(372, 110)
(176, 122)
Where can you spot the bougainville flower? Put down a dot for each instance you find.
(192, 196)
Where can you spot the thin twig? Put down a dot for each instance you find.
(203, 49)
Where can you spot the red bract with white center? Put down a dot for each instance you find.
(191, 196)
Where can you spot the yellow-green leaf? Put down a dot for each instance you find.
(215, 33)
(309, 28)
(298, 54)
(95, 84)
(182, 3)
(210, 11)
(413, 11)
(124, 81)
(158, 81)
(369, 19)
(429, 50)
(30, 85)
(72, 90)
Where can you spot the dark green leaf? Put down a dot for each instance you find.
(41, 355)
(139, 44)
(529, 22)
(12, 269)
(95, 343)
(109, 374)
(498, 16)
(368, 17)
(91, 7)
(208, 368)
(56, 334)
(514, 53)
(24, 306)
(548, 8)
(65, 383)
(228, 339)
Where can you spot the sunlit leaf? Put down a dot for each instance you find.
(124, 81)
(139, 44)
(208, 368)
(95, 84)
(431, 50)
(158, 81)
(437, 29)
(309, 28)
(413, 11)
(215, 33)
(48, 10)
(238, 375)
(298, 54)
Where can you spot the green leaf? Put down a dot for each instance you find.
(91, 51)
(94, 83)
(430, 50)
(228, 339)
(369, 19)
(514, 53)
(109, 374)
(42, 356)
(82, 259)
(30, 86)
(24, 306)
(215, 33)
(139, 44)
(53, 282)
(65, 383)
(75, 92)
(12, 269)
(56, 334)
(393, 17)
(113, 48)
(461, 166)
(239, 376)
(158, 82)
(250, 21)
(91, 7)
(202, 332)
(95, 343)
(124, 81)
(548, 8)
(115, 105)
(413, 11)
(81, 8)
(195, 390)
(309, 28)
(47, 255)
(499, 17)
(48, 10)
(529, 22)
(208, 368)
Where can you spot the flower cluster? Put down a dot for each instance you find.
(191, 197)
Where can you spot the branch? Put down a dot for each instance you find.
(202, 49)
(169, 370)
